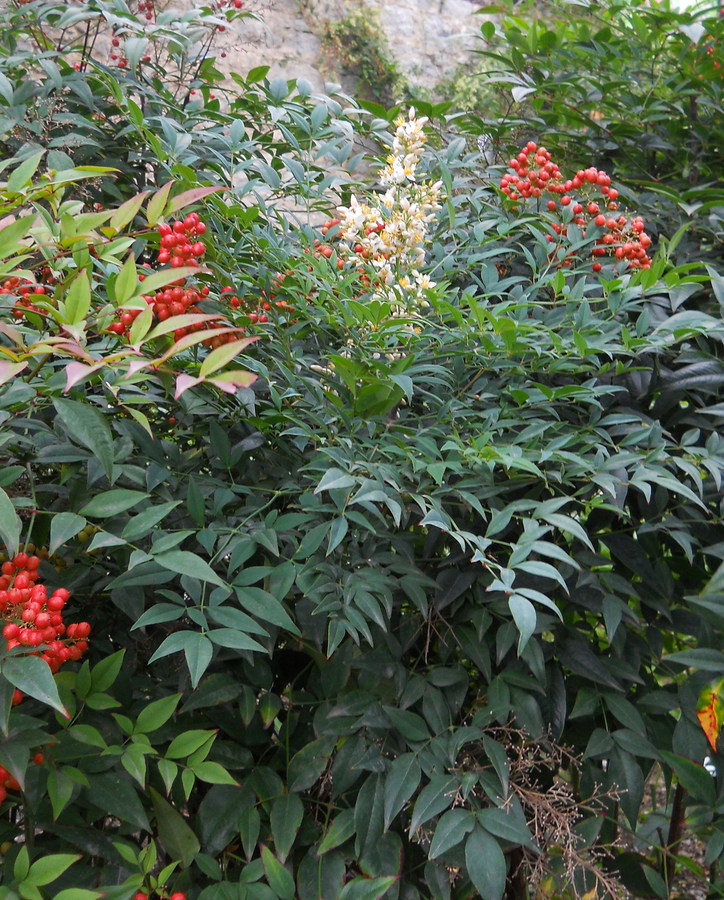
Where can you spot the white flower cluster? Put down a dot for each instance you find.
(391, 232)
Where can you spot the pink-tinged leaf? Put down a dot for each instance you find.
(190, 340)
(189, 197)
(175, 322)
(13, 333)
(127, 211)
(77, 371)
(62, 344)
(184, 382)
(157, 203)
(230, 382)
(136, 365)
(219, 357)
(9, 370)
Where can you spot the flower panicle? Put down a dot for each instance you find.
(391, 231)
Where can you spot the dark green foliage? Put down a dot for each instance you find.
(408, 625)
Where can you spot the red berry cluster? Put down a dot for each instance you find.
(706, 53)
(326, 250)
(145, 11)
(9, 782)
(180, 244)
(220, 6)
(256, 313)
(34, 619)
(142, 895)
(535, 175)
(28, 292)
(180, 247)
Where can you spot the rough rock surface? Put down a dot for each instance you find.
(428, 38)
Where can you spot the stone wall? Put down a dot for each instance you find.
(427, 38)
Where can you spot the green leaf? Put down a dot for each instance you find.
(341, 830)
(15, 755)
(32, 676)
(111, 503)
(12, 234)
(199, 652)
(266, 607)
(212, 773)
(312, 540)
(77, 301)
(178, 839)
(286, 817)
(222, 355)
(125, 214)
(693, 776)
(485, 864)
(307, 764)
(79, 894)
(401, 782)
(320, 877)
(10, 525)
(156, 714)
(64, 526)
(703, 658)
(337, 533)
(434, 798)
(367, 888)
(162, 279)
(88, 427)
(22, 864)
(450, 830)
(139, 526)
(115, 795)
(525, 618)
(499, 758)
(157, 203)
(507, 823)
(335, 479)
(217, 817)
(187, 742)
(249, 828)
(133, 761)
(411, 726)
(234, 638)
(24, 172)
(60, 789)
(278, 878)
(184, 562)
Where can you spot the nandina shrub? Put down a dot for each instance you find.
(633, 88)
(407, 597)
